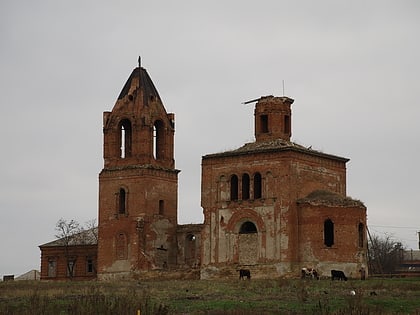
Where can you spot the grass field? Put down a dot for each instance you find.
(279, 296)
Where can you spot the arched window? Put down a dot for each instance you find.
(361, 234)
(248, 227)
(257, 186)
(158, 140)
(234, 187)
(328, 233)
(125, 137)
(245, 186)
(122, 201)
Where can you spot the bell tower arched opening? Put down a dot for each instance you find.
(138, 183)
(158, 140)
(125, 137)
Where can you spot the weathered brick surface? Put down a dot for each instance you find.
(60, 256)
(138, 173)
(189, 246)
(346, 253)
(272, 223)
(289, 236)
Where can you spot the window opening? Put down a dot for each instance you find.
(161, 207)
(248, 227)
(122, 201)
(361, 234)
(71, 262)
(257, 186)
(51, 267)
(328, 233)
(122, 142)
(154, 142)
(158, 140)
(287, 124)
(245, 187)
(264, 123)
(125, 139)
(89, 265)
(234, 187)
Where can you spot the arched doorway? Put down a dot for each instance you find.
(248, 243)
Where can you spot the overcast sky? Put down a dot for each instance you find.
(352, 67)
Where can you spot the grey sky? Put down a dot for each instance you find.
(351, 66)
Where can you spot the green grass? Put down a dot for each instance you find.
(216, 297)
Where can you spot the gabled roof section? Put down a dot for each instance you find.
(141, 78)
(87, 237)
(276, 145)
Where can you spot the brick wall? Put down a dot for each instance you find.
(288, 173)
(54, 262)
(138, 187)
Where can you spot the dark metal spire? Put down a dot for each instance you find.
(139, 61)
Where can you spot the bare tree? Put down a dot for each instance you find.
(385, 254)
(66, 233)
(71, 233)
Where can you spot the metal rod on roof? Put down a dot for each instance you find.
(139, 60)
(251, 101)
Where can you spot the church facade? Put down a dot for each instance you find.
(274, 207)
(271, 206)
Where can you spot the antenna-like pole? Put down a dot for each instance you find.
(283, 88)
(419, 239)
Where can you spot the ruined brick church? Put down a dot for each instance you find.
(271, 206)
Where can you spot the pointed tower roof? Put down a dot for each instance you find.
(140, 79)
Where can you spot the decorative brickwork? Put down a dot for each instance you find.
(260, 185)
(138, 187)
(271, 206)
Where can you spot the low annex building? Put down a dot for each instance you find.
(271, 206)
(72, 257)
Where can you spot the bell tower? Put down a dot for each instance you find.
(138, 186)
(273, 118)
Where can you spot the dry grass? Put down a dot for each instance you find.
(279, 296)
